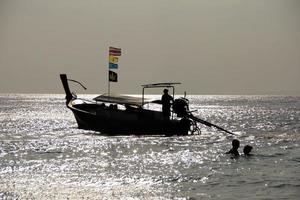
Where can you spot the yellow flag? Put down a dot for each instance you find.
(113, 59)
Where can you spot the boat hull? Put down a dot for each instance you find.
(127, 122)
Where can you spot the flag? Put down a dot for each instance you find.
(114, 51)
(113, 66)
(113, 59)
(112, 76)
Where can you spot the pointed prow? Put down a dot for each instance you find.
(64, 80)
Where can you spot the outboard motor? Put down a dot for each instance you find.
(181, 107)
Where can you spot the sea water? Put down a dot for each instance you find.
(43, 155)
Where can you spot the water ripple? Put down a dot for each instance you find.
(44, 156)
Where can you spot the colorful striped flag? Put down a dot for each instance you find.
(114, 51)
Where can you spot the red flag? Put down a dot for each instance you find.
(114, 51)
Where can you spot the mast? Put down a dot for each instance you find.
(108, 78)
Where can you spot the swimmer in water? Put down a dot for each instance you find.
(247, 149)
(235, 146)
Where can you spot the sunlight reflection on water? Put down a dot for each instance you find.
(44, 156)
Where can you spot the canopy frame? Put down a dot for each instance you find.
(159, 85)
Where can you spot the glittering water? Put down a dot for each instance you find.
(44, 156)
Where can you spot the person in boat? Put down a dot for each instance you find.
(247, 149)
(234, 150)
(166, 100)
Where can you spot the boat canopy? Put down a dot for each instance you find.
(122, 99)
(134, 101)
(159, 85)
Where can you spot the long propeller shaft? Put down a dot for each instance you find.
(208, 123)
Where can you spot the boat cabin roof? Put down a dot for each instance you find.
(134, 101)
(155, 85)
(122, 99)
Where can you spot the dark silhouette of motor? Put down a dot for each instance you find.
(181, 107)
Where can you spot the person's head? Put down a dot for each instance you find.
(166, 91)
(235, 144)
(247, 149)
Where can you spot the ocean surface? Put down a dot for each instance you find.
(43, 155)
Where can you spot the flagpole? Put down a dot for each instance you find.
(108, 89)
(108, 85)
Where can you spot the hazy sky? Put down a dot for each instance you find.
(211, 46)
